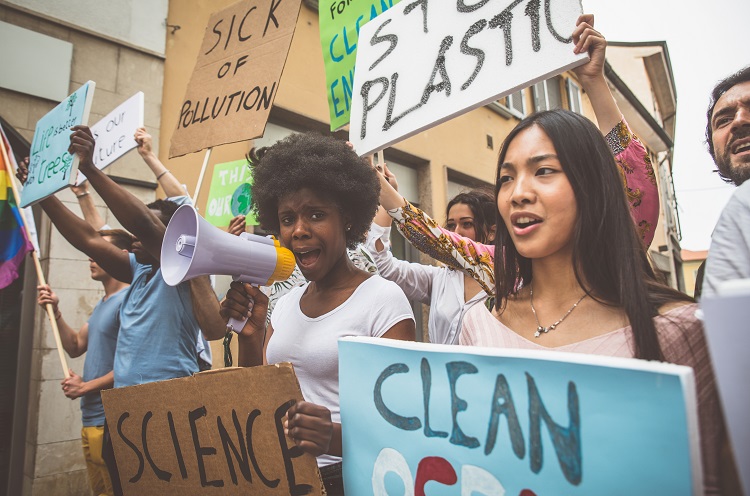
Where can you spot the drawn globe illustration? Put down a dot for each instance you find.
(241, 200)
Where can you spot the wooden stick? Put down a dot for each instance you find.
(37, 264)
(201, 176)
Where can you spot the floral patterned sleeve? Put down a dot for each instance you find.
(457, 252)
(477, 259)
(638, 178)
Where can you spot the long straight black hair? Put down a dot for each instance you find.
(609, 258)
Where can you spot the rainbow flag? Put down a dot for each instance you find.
(14, 243)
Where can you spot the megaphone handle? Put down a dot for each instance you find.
(236, 325)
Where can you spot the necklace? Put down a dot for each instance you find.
(541, 329)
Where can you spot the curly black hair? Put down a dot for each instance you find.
(322, 163)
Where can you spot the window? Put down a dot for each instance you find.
(516, 103)
(547, 94)
(574, 95)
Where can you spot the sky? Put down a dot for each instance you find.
(707, 41)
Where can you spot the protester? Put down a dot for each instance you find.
(159, 323)
(176, 192)
(319, 197)
(97, 338)
(728, 139)
(449, 292)
(574, 275)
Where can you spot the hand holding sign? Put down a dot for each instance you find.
(82, 144)
(587, 39)
(311, 428)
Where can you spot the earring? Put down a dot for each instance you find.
(348, 228)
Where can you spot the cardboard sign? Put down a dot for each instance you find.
(422, 63)
(217, 432)
(236, 76)
(114, 133)
(440, 420)
(51, 167)
(229, 194)
(340, 22)
(727, 320)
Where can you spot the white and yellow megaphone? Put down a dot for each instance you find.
(192, 247)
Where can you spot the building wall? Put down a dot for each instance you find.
(53, 458)
(138, 23)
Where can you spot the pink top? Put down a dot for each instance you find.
(477, 259)
(682, 342)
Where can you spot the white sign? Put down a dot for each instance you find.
(114, 133)
(727, 316)
(421, 63)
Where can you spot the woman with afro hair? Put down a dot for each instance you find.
(319, 197)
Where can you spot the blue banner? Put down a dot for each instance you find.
(447, 420)
(51, 167)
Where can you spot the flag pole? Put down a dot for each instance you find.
(37, 264)
(201, 176)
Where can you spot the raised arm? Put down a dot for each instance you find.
(82, 236)
(476, 259)
(74, 343)
(164, 176)
(630, 155)
(88, 209)
(129, 210)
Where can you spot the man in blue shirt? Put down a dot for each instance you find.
(159, 324)
(97, 338)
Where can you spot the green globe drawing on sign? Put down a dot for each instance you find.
(241, 200)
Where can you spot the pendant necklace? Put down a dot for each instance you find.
(541, 329)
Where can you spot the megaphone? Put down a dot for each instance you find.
(192, 247)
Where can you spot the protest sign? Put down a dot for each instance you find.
(229, 194)
(727, 317)
(418, 66)
(236, 76)
(340, 22)
(114, 133)
(439, 420)
(51, 167)
(217, 432)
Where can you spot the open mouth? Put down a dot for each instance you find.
(742, 147)
(307, 258)
(524, 222)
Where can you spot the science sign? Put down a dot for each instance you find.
(421, 63)
(51, 167)
(443, 420)
(216, 433)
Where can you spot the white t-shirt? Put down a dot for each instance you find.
(311, 345)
